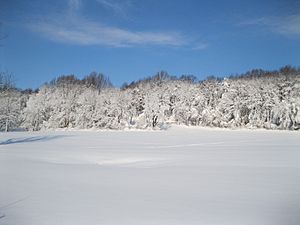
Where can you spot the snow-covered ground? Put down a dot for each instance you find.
(180, 176)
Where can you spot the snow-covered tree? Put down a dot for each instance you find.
(256, 99)
(10, 103)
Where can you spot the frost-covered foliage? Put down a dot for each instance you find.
(10, 107)
(11, 103)
(255, 100)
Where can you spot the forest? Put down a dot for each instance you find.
(255, 99)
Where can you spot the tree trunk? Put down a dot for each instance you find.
(6, 125)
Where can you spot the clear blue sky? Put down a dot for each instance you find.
(130, 39)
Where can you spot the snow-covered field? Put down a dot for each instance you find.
(180, 176)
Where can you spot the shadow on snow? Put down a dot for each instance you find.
(30, 139)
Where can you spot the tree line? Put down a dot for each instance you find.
(255, 99)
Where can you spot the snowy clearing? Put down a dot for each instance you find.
(180, 176)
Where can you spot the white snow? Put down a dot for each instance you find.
(181, 176)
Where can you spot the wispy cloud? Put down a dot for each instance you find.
(72, 28)
(288, 25)
(200, 46)
(83, 32)
(119, 8)
(74, 5)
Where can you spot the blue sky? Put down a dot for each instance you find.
(131, 39)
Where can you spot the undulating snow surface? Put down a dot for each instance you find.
(179, 176)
